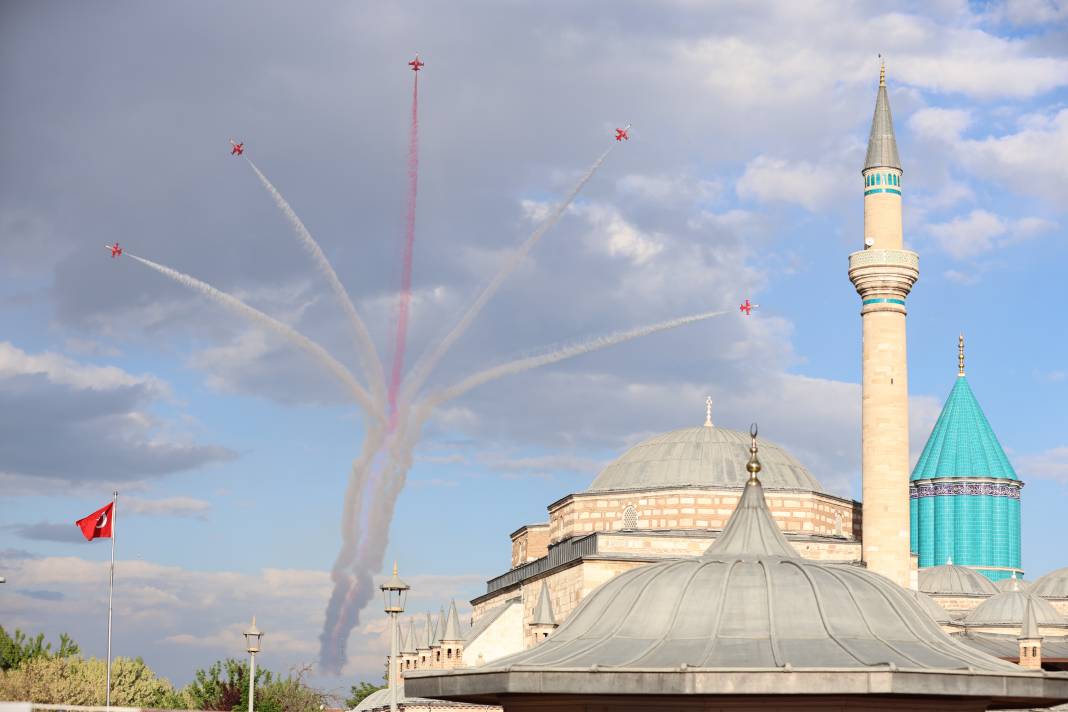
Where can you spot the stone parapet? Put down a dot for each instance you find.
(883, 278)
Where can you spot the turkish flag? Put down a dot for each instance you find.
(98, 524)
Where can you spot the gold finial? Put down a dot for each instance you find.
(753, 466)
(882, 71)
(960, 354)
(708, 412)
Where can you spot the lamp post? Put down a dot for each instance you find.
(252, 644)
(394, 592)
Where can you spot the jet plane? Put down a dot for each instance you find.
(747, 308)
(415, 64)
(115, 249)
(621, 134)
(238, 148)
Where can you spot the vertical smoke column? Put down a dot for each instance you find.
(409, 244)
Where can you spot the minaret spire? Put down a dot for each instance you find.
(960, 354)
(882, 144)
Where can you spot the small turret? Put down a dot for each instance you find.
(1030, 640)
(452, 641)
(543, 622)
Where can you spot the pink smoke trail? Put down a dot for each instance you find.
(409, 244)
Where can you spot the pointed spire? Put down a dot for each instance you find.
(452, 625)
(751, 529)
(409, 639)
(402, 639)
(431, 636)
(1029, 631)
(708, 412)
(439, 628)
(543, 613)
(882, 145)
(960, 354)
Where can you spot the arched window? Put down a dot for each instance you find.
(630, 518)
(448, 653)
(437, 656)
(1034, 652)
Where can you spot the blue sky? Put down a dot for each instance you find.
(741, 180)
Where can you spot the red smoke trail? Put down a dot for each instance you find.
(409, 244)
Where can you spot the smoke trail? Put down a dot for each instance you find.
(426, 364)
(409, 244)
(284, 330)
(354, 590)
(525, 364)
(365, 347)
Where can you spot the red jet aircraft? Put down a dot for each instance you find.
(238, 148)
(621, 134)
(415, 64)
(115, 249)
(747, 308)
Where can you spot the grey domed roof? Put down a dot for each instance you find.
(701, 457)
(1052, 585)
(1007, 584)
(1008, 608)
(951, 579)
(750, 602)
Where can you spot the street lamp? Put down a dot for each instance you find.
(252, 644)
(394, 592)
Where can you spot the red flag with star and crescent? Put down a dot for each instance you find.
(98, 524)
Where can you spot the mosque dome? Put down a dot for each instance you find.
(1008, 609)
(1052, 585)
(750, 602)
(951, 579)
(704, 456)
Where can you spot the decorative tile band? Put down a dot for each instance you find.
(884, 301)
(895, 191)
(948, 489)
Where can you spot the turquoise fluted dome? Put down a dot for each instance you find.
(962, 443)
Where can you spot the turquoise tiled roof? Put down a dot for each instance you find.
(962, 443)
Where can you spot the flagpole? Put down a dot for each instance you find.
(111, 590)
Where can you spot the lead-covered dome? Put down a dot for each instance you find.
(704, 456)
(1008, 609)
(1052, 585)
(957, 580)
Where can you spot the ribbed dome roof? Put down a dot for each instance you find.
(1009, 583)
(701, 457)
(955, 579)
(1052, 585)
(750, 602)
(928, 604)
(962, 443)
(1008, 608)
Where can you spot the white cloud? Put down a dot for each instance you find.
(812, 186)
(1029, 12)
(982, 231)
(612, 234)
(668, 189)
(64, 371)
(940, 124)
(1050, 464)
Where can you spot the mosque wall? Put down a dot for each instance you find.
(503, 637)
(794, 511)
(529, 542)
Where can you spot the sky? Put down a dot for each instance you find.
(231, 449)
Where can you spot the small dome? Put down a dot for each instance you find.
(1008, 608)
(951, 579)
(701, 457)
(931, 607)
(1052, 585)
(1008, 584)
(750, 602)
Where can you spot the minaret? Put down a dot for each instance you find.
(883, 274)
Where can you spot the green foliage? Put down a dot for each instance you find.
(75, 681)
(211, 689)
(359, 692)
(18, 648)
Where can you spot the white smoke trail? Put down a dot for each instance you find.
(284, 330)
(365, 347)
(426, 364)
(351, 593)
(525, 364)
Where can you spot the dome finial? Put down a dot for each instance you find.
(753, 466)
(949, 561)
(882, 71)
(960, 354)
(708, 412)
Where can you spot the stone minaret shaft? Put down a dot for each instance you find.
(883, 274)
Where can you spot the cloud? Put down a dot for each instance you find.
(45, 531)
(167, 506)
(1050, 464)
(614, 235)
(811, 186)
(1029, 12)
(101, 416)
(982, 231)
(940, 124)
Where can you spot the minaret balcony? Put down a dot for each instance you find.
(883, 278)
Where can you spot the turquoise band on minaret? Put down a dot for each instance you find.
(895, 191)
(881, 300)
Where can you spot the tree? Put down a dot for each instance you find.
(359, 692)
(291, 694)
(15, 649)
(210, 690)
(73, 680)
